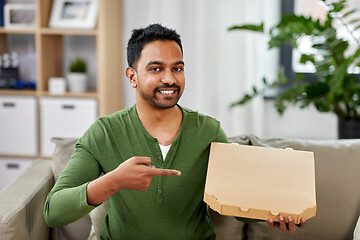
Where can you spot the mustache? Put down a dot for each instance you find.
(165, 85)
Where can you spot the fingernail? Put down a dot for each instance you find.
(281, 218)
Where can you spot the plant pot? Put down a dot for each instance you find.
(77, 82)
(348, 129)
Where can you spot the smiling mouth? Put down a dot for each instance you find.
(167, 92)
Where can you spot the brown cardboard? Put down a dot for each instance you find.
(260, 183)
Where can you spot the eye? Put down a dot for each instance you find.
(178, 69)
(155, 69)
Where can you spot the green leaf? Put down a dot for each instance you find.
(349, 13)
(357, 27)
(316, 90)
(354, 57)
(349, 84)
(354, 21)
(338, 6)
(307, 58)
(336, 80)
(282, 79)
(338, 48)
(320, 46)
(242, 101)
(255, 91)
(264, 81)
(78, 65)
(300, 77)
(250, 27)
(305, 104)
(322, 106)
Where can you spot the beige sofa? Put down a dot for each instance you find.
(337, 164)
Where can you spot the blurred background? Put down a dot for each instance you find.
(222, 65)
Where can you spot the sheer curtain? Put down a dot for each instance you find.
(220, 65)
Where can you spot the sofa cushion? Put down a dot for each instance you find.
(22, 204)
(357, 230)
(64, 148)
(337, 176)
(227, 227)
(97, 220)
(80, 229)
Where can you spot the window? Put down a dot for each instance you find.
(289, 58)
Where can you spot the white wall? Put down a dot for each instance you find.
(299, 123)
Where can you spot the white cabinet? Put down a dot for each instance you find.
(11, 168)
(18, 125)
(64, 117)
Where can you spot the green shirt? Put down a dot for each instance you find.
(171, 208)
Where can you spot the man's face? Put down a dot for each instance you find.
(160, 78)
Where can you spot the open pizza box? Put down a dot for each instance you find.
(260, 183)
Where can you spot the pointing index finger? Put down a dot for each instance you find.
(163, 172)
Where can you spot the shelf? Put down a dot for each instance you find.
(52, 52)
(17, 92)
(50, 31)
(20, 156)
(17, 30)
(91, 94)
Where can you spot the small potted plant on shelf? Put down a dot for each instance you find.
(334, 89)
(77, 77)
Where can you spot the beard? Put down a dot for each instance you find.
(160, 100)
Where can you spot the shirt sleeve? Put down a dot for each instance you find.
(221, 137)
(248, 220)
(67, 201)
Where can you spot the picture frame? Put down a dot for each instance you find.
(74, 14)
(18, 15)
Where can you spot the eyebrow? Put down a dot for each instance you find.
(162, 63)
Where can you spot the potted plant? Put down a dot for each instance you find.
(334, 89)
(77, 77)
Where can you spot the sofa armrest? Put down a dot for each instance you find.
(22, 203)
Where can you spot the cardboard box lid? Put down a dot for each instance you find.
(260, 183)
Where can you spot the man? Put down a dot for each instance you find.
(136, 149)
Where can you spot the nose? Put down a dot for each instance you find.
(168, 77)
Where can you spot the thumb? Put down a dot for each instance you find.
(142, 161)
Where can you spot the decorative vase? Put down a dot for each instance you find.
(77, 82)
(348, 129)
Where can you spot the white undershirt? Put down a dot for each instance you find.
(164, 150)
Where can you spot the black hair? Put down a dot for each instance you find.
(140, 37)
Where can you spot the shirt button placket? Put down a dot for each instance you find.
(159, 195)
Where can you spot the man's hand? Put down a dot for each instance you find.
(283, 226)
(136, 174)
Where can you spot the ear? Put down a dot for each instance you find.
(132, 76)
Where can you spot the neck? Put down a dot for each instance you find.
(157, 116)
(163, 124)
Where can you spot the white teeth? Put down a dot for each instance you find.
(167, 92)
